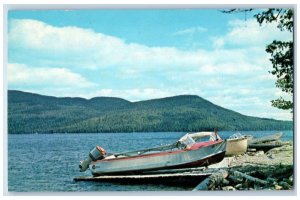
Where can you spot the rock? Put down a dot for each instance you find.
(278, 187)
(281, 149)
(257, 187)
(251, 150)
(285, 180)
(239, 186)
(259, 153)
(271, 180)
(228, 188)
(291, 180)
(225, 182)
(285, 185)
(271, 156)
(251, 153)
(245, 184)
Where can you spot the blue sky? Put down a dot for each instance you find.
(144, 54)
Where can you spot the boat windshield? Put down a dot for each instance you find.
(187, 141)
(204, 139)
(236, 136)
(205, 136)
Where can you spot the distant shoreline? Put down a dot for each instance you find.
(143, 132)
(35, 113)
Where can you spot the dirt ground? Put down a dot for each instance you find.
(281, 155)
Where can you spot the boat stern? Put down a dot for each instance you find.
(95, 154)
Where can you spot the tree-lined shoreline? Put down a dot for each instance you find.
(34, 113)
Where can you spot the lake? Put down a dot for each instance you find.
(49, 162)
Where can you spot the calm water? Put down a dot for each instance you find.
(49, 162)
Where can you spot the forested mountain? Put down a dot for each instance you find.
(34, 113)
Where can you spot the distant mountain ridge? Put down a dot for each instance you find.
(34, 113)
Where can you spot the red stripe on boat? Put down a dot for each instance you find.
(203, 144)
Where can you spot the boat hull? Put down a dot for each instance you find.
(186, 158)
(236, 146)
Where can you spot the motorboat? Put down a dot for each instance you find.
(191, 150)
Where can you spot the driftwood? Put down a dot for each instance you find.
(212, 181)
(265, 171)
(238, 174)
(267, 138)
(280, 171)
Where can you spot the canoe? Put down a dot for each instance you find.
(189, 151)
(264, 147)
(267, 138)
(249, 138)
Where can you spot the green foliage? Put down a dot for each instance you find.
(31, 113)
(284, 18)
(282, 104)
(282, 57)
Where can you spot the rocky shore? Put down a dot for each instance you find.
(254, 170)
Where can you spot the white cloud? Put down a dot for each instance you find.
(190, 31)
(243, 100)
(146, 93)
(22, 74)
(273, 114)
(218, 42)
(279, 93)
(136, 94)
(84, 48)
(251, 33)
(105, 92)
(208, 73)
(34, 34)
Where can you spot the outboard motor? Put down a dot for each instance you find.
(96, 153)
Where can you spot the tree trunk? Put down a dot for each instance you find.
(212, 181)
(238, 174)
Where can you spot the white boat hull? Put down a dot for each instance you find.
(194, 157)
(236, 146)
